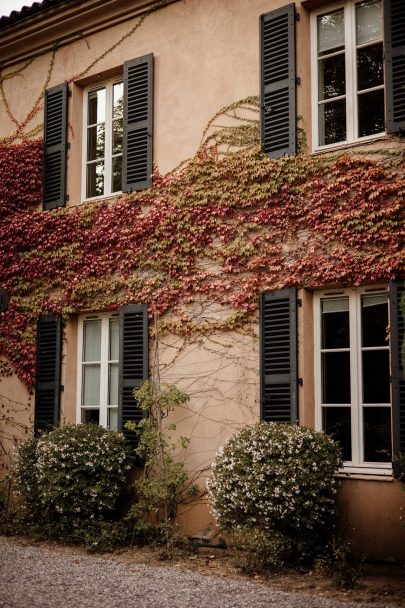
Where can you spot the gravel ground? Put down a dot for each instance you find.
(35, 577)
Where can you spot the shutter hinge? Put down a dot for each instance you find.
(67, 197)
(299, 302)
(68, 145)
(298, 80)
(300, 382)
(62, 387)
(69, 92)
(297, 17)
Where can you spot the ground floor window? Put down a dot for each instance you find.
(352, 363)
(98, 357)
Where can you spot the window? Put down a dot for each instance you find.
(353, 375)
(103, 112)
(98, 356)
(348, 73)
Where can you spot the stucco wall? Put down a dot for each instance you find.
(206, 57)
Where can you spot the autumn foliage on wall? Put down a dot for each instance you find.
(222, 228)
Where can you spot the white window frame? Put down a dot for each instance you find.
(354, 294)
(108, 85)
(104, 363)
(351, 75)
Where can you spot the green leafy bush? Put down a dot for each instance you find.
(70, 477)
(279, 479)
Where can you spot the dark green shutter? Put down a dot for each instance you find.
(396, 292)
(137, 163)
(278, 119)
(278, 356)
(133, 365)
(48, 370)
(55, 147)
(394, 51)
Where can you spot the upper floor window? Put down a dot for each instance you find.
(103, 113)
(348, 73)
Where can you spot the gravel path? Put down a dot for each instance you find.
(35, 577)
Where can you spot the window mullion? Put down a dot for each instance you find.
(351, 78)
(358, 409)
(108, 139)
(104, 372)
(354, 388)
(79, 372)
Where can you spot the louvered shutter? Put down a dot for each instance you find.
(55, 147)
(278, 81)
(394, 43)
(278, 350)
(137, 164)
(133, 364)
(396, 292)
(48, 370)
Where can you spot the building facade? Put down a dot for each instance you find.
(267, 287)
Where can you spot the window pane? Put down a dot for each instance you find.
(113, 384)
(117, 136)
(336, 377)
(332, 122)
(118, 100)
(335, 323)
(117, 174)
(331, 33)
(96, 107)
(114, 340)
(332, 78)
(92, 416)
(377, 434)
(371, 113)
(91, 385)
(376, 376)
(95, 142)
(95, 179)
(337, 424)
(113, 418)
(92, 341)
(374, 320)
(368, 21)
(370, 71)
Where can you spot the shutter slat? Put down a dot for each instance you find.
(138, 124)
(397, 335)
(48, 369)
(55, 147)
(394, 53)
(278, 360)
(278, 95)
(133, 363)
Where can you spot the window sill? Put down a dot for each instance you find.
(381, 475)
(352, 144)
(96, 199)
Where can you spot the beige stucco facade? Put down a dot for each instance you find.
(206, 57)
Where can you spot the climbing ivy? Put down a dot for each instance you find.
(219, 228)
(226, 225)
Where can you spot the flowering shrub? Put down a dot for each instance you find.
(72, 473)
(276, 478)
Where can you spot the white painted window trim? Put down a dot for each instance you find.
(354, 294)
(104, 362)
(351, 76)
(108, 85)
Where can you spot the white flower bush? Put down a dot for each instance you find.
(72, 472)
(276, 478)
